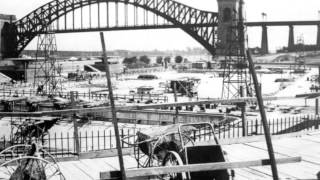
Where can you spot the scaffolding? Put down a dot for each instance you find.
(299, 66)
(47, 73)
(236, 76)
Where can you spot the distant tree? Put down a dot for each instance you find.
(145, 59)
(209, 65)
(159, 60)
(138, 64)
(130, 60)
(178, 59)
(167, 59)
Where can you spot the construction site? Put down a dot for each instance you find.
(238, 115)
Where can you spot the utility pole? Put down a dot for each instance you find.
(113, 109)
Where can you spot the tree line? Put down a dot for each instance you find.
(144, 61)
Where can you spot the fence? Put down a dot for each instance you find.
(143, 70)
(63, 144)
(276, 126)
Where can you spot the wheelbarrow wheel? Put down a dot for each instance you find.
(173, 159)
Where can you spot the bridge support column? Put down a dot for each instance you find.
(264, 41)
(291, 39)
(7, 34)
(318, 38)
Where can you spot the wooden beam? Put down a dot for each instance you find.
(105, 153)
(307, 95)
(113, 108)
(263, 117)
(137, 107)
(153, 171)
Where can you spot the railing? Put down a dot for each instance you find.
(63, 144)
(91, 95)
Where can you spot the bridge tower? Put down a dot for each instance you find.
(291, 39)
(47, 74)
(231, 44)
(7, 38)
(264, 41)
(318, 37)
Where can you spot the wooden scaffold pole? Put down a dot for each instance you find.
(113, 109)
(263, 118)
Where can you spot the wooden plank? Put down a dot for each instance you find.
(70, 171)
(304, 170)
(104, 153)
(143, 172)
(236, 153)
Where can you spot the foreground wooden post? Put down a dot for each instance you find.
(317, 100)
(243, 114)
(263, 117)
(113, 109)
(175, 120)
(317, 106)
(75, 125)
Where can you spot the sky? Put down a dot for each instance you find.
(168, 39)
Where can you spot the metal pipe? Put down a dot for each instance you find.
(113, 109)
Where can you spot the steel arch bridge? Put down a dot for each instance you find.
(201, 25)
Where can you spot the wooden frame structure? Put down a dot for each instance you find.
(146, 173)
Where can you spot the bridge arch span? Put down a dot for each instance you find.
(197, 23)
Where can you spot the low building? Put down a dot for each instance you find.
(144, 90)
(200, 65)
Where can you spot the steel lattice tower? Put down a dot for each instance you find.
(47, 74)
(236, 75)
(300, 53)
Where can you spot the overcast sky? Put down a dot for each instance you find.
(176, 38)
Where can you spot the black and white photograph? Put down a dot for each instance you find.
(159, 89)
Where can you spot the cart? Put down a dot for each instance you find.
(181, 144)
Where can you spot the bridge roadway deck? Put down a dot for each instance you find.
(283, 23)
(168, 26)
(306, 146)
